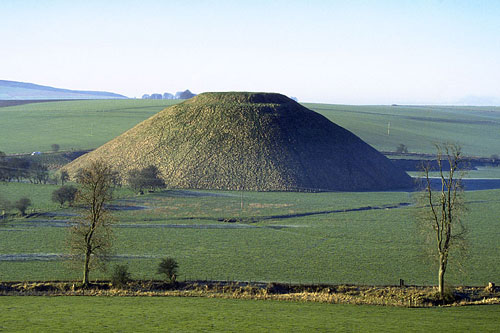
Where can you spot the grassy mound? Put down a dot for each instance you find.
(250, 141)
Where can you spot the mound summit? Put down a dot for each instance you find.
(250, 141)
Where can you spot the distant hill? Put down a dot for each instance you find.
(13, 90)
(251, 141)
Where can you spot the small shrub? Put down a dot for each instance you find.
(22, 204)
(120, 276)
(402, 149)
(168, 267)
(448, 297)
(55, 147)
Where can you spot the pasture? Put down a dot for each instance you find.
(361, 238)
(367, 238)
(132, 314)
(81, 125)
(74, 125)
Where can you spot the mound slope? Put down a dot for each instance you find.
(251, 141)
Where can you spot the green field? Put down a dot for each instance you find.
(132, 314)
(286, 237)
(74, 125)
(351, 238)
(323, 244)
(418, 127)
(89, 124)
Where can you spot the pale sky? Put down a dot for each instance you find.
(343, 52)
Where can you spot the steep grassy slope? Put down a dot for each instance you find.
(251, 141)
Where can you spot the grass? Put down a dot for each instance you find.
(418, 127)
(129, 314)
(286, 237)
(74, 125)
(89, 124)
(40, 195)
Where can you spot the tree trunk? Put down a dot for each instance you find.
(86, 269)
(442, 270)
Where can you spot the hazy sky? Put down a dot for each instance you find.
(355, 52)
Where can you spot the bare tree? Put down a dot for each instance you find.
(91, 235)
(65, 194)
(444, 207)
(146, 178)
(63, 176)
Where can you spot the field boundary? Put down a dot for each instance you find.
(398, 296)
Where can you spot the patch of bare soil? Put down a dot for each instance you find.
(402, 296)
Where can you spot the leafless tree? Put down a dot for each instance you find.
(444, 208)
(146, 178)
(91, 235)
(63, 176)
(65, 194)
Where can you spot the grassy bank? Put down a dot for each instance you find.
(130, 314)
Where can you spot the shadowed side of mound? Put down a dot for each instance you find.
(250, 141)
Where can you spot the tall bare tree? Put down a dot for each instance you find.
(444, 208)
(91, 235)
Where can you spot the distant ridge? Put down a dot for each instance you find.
(250, 141)
(13, 90)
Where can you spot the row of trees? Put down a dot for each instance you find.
(19, 169)
(24, 169)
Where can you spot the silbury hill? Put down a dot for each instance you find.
(249, 141)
